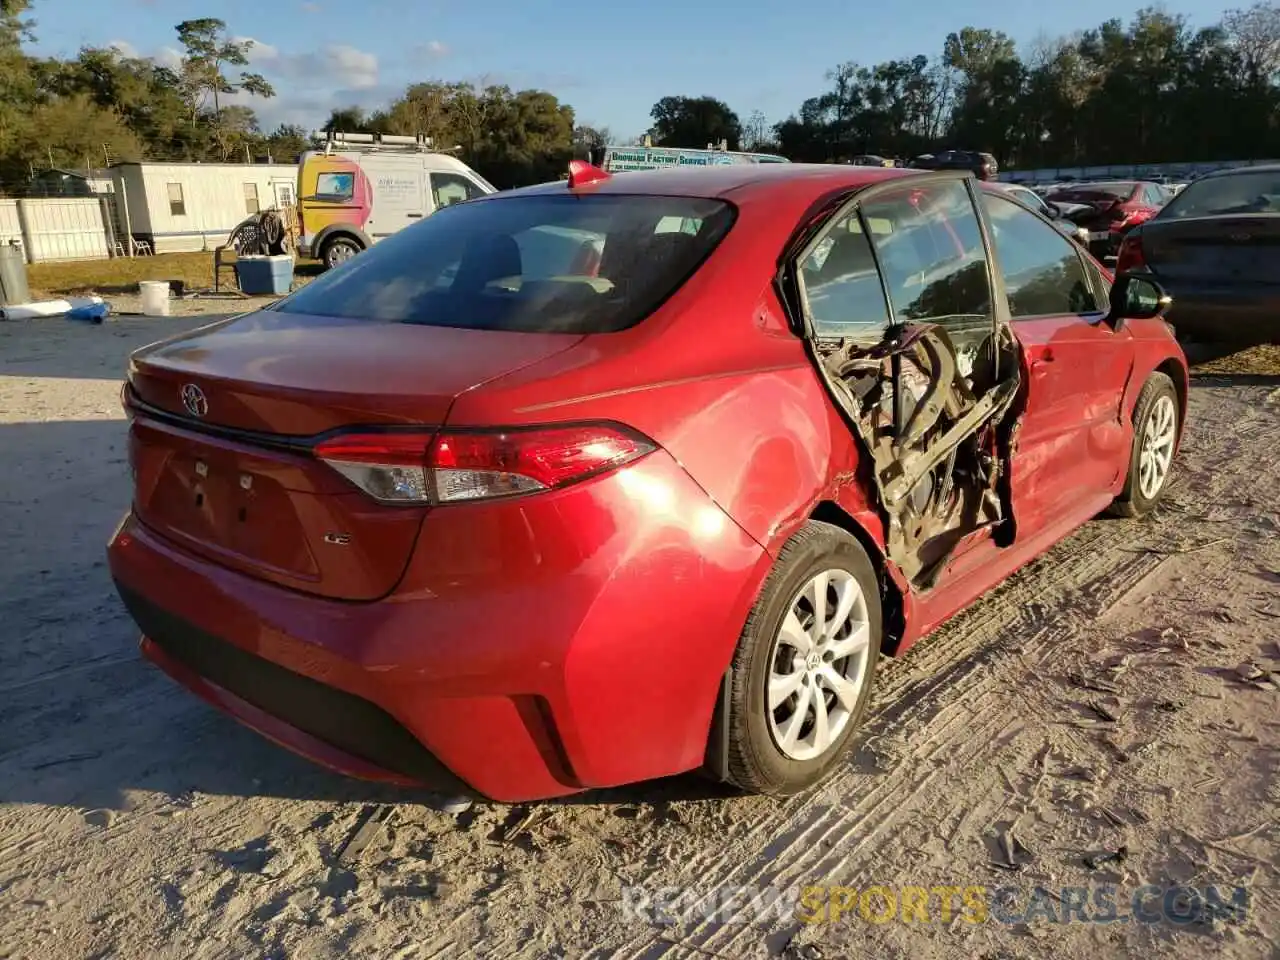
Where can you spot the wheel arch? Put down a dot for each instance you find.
(893, 596)
(1176, 371)
(349, 230)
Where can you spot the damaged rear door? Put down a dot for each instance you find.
(896, 296)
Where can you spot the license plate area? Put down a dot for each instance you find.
(208, 500)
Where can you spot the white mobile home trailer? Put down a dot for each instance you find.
(182, 207)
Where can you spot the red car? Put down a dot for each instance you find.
(613, 478)
(1109, 210)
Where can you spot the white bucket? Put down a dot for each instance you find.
(155, 297)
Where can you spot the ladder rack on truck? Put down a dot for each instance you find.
(382, 142)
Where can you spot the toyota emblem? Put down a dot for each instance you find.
(1242, 237)
(193, 399)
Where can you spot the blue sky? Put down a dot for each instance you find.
(610, 61)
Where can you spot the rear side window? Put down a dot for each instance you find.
(532, 263)
(1226, 195)
(841, 285)
(932, 255)
(335, 186)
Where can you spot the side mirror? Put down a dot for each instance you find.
(1055, 211)
(1136, 297)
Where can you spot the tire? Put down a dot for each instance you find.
(759, 757)
(1157, 402)
(339, 250)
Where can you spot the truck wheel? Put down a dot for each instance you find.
(339, 250)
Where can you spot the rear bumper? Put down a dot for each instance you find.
(534, 648)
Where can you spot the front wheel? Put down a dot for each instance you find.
(1155, 437)
(804, 665)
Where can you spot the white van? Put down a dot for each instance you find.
(363, 187)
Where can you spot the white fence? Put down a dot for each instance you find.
(56, 228)
(10, 223)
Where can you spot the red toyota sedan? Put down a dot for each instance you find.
(614, 478)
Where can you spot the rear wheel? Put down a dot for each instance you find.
(804, 666)
(1155, 437)
(339, 250)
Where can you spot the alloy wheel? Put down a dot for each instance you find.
(1156, 453)
(818, 665)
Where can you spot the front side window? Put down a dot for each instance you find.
(450, 188)
(177, 203)
(841, 286)
(1043, 272)
(535, 263)
(931, 255)
(251, 205)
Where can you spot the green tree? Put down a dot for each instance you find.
(71, 131)
(287, 141)
(203, 77)
(17, 82)
(694, 122)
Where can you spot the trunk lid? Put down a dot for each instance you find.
(1220, 250)
(227, 472)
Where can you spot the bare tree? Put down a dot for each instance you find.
(1255, 34)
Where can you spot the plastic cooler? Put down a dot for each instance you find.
(263, 276)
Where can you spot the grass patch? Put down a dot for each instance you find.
(122, 274)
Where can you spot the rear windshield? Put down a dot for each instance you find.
(1095, 192)
(535, 263)
(1230, 194)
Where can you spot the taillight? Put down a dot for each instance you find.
(454, 465)
(1129, 257)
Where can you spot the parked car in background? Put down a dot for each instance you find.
(362, 188)
(1055, 214)
(1216, 245)
(871, 160)
(1109, 209)
(609, 479)
(982, 165)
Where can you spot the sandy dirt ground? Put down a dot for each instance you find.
(1114, 697)
(129, 305)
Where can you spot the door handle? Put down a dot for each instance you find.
(412, 215)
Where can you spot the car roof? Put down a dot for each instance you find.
(736, 180)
